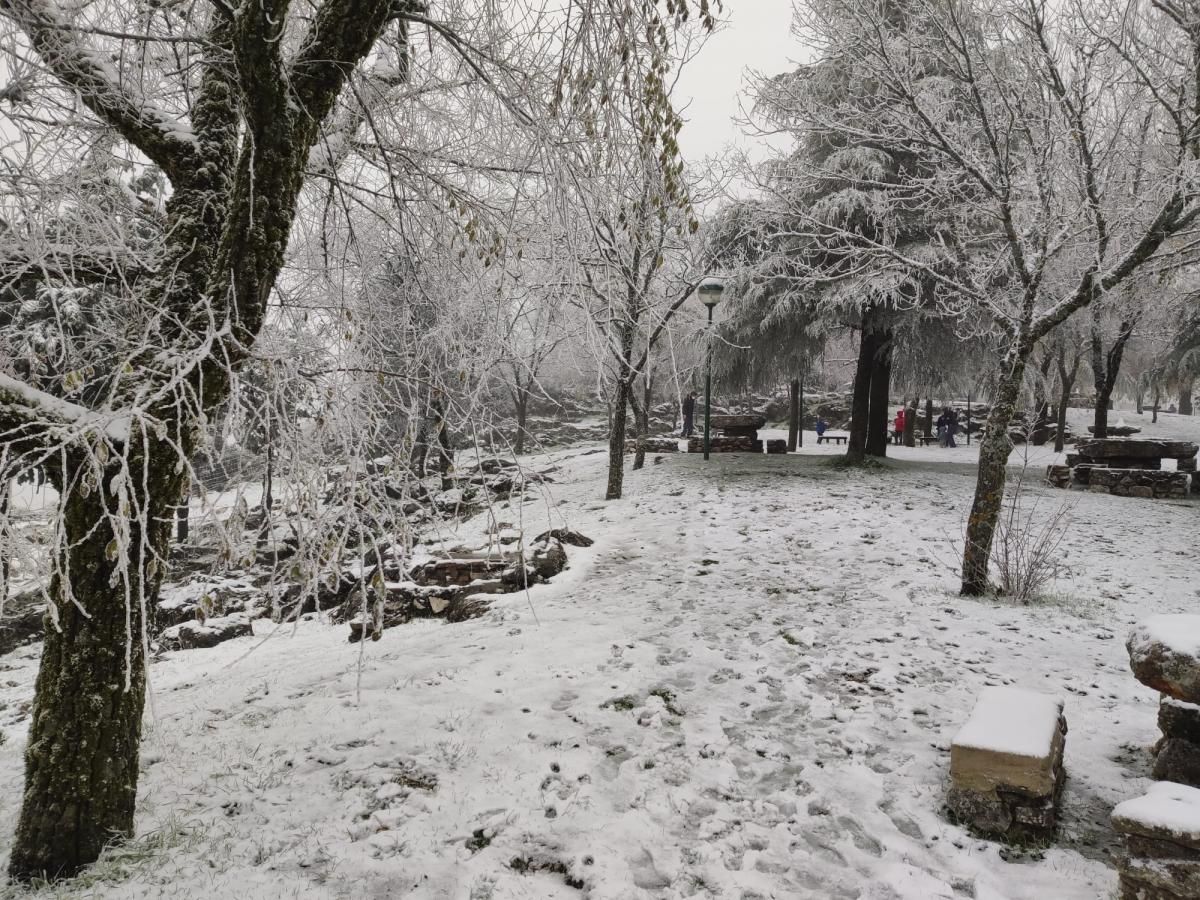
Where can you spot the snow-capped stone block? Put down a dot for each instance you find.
(1164, 653)
(1161, 833)
(1006, 764)
(1167, 811)
(194, 635)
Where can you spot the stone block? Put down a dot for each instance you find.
(1167, 812)
(1178, 760)
(1006, 764)
(1179, 719)
(777, 445)
(1164, 653)
(1159, 879)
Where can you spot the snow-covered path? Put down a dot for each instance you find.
(745, 689)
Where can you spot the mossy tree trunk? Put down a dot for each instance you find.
(994, 450)
(81, 761)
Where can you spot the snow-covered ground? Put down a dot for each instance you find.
(746, 689)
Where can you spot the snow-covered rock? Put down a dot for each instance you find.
(194, 635)
(1164, 653)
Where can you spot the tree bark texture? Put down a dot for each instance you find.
(856, 444)
(910, 424)
(616, 442)
(879, 417)
(994, 450)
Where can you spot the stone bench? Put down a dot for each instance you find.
(1164, 654)
(1006, 764)
(828, 438)
(1161, 834)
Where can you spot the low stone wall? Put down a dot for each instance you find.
(1138, 483)
(726, 445)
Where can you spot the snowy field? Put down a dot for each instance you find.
(746, 689)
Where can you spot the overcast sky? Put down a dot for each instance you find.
(755, 36)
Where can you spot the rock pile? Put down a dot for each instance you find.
(1164, 654)
(455, 587)
(1161, 836)
(1006, 764)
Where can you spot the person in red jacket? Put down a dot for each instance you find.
(898, 434)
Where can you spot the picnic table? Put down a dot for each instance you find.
(836, 438)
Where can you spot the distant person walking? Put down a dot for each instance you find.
(898, 427)
(820, 428)
(689, 413)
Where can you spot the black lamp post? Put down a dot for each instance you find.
(710, 290)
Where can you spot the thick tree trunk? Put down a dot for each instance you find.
(910, 424)
(793, 414)
(1139, 399)
(1100, 417)
(994, 449)
(1185, 398)
(81, 761)
(1154, 411)
(879, 416)
(928, 424)
(616, 442)
(856, 444)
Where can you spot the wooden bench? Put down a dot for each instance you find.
(835, 438)
(927, 439)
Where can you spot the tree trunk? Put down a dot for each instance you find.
(856, 444)
(793, 414)
(5, 493)
(1139, 400)
(616, 442)
(879, 415)
(910, 424)
(641, 424)
(420, 447)
(1067, 384)
(994, 449)
(1185, 398)
(928, 417)
(1100, 417)
(1154, 411)
(81, 761)
(521, 402)
(445, 453)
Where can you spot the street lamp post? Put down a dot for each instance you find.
(710, 290)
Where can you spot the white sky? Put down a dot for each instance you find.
(755, 36)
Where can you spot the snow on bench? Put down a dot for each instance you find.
(1161, 832)
(1006, 763)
